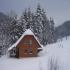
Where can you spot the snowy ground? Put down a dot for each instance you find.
(57, 54)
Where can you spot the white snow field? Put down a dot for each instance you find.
(55, 56)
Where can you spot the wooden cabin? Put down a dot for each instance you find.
(27, 46)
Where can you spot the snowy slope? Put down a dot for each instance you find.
(58, 52)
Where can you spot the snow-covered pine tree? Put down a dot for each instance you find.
(42, 25)
(23, 20)
(15, 30)
(46, 28)
(26, 19)
(38, 23)
(29, 20)
(52, 29)
(4, 33)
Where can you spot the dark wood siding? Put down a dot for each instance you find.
(27, 47)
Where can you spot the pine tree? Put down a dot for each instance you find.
(23, 20)
(38, 23)
(46, 28)
(52, 29)
(26, 19)
(42, 25)
(15, 30)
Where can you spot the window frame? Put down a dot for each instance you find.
(28, 42)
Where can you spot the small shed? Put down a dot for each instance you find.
(27, 45)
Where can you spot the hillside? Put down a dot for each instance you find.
(53, 56)
(4, 20)
(63, 30)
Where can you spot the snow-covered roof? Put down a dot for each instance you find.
(27, 32)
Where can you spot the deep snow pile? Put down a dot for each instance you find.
(55, 56)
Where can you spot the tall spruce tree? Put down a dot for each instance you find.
(52, 29)
(15, 30)
(26, 19)
(23, 20)
(42, 25)
(38, 23)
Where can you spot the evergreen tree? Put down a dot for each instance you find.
(26, 19)
(38, 23)
(42, 25)
(46, 28)
(52, 35)
(15, 30)
(23, 20)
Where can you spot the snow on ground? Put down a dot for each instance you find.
(58, 52)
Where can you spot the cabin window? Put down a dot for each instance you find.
(28, 51)
(28, 42)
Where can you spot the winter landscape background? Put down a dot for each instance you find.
(48, 21)
(12, 27)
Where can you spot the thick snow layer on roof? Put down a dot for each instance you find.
(27, 32)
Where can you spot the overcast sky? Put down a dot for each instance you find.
(58, 9)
